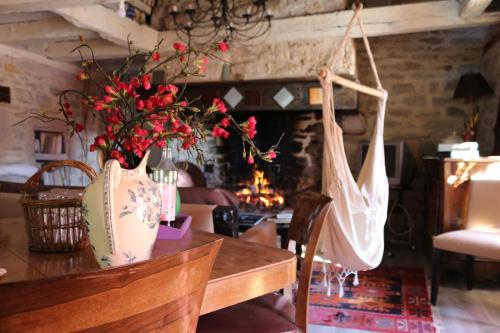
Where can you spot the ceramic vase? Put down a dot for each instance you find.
(122, 211)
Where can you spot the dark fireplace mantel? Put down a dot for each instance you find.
(258, 95)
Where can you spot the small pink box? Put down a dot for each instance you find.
(166, 232)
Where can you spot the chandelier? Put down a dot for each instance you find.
(204, 21)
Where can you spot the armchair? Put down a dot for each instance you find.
(479, 238)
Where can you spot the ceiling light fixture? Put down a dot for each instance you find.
(204, 21)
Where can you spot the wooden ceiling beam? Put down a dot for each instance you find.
(380, 21)
(20, 6)
(110, 26)
(103, 49)
(473, 8)
(51, 29)
(9, 51)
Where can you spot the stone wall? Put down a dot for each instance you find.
(491, 71)
(297, 59)
(420, 72)
(33, 88)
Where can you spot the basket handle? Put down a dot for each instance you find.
(32, 184)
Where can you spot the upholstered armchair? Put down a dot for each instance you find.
(480, 236)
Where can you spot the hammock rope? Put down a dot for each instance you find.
(353, 237)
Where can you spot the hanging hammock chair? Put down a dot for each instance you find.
(353, 236)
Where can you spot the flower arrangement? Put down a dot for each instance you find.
(136, 116)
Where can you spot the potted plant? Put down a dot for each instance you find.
(122, 206)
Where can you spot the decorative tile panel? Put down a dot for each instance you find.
(233, 97)
(283, 97)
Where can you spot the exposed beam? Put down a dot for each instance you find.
(52, 29)
(380, 21)
(473, 8)
(9, 51)
(19, 6)
(110, 26)
(103, 49)
(25, 17)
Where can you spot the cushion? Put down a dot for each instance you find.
(483, 209)
(267, 314)
(479, 243)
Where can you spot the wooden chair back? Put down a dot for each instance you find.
(163, 294)
(305, 227)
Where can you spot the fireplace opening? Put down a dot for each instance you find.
(258, 193)
(297, 168)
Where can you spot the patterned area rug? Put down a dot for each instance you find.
(387, 299)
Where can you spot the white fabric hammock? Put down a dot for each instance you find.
(353, 235)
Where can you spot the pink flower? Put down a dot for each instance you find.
(155, 56)
(161, 89)
(82, 76)
(251, 133)
(220, 132)
(250, 159)
(183, 104)
(100, 140)
(167, 100)
(249, 126)
(172, 88)
(134, 82)
(219, 105)
(271, 154)
(110, 90)
(146, 81)
(139, 104)
(225, 122)
(99, 105)
(115, 154)
(138, 130)
(78, 127)
(252, 122)
(223, 46)
(161, 143)
(184, 129)
(67, 109)
(179, 47)
(158, 128)
(108, 99)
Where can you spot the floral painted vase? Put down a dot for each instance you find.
(122, 211)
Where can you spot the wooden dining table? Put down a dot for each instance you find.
(242, 270)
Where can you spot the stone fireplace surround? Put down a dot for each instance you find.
(298, 165)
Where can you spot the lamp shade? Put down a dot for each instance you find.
(472, 85)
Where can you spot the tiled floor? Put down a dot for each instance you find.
(457, 310)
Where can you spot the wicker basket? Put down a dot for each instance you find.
(54, 225)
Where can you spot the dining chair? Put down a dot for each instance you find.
(276, 312)
(480, 236)
(10, 193)
(163, 294)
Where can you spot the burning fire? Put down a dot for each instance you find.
(257, 192)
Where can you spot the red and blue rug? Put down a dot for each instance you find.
(387, 299)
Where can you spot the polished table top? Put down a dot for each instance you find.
(241, 271)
